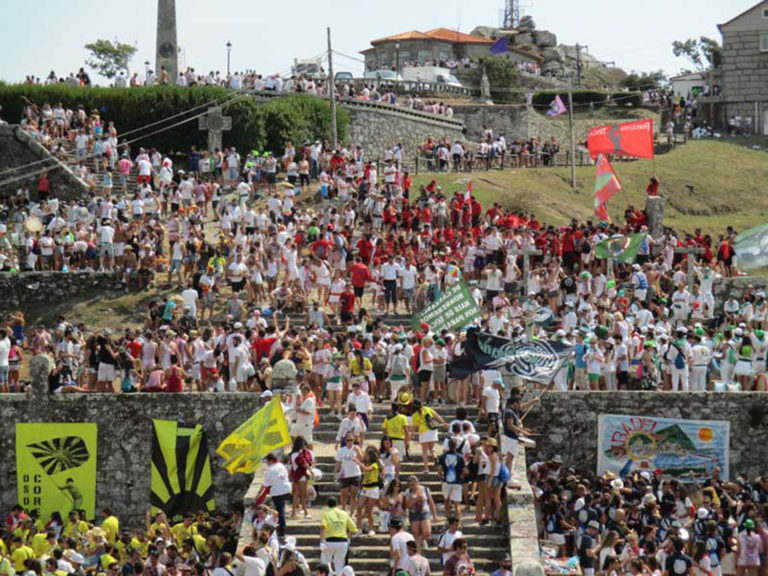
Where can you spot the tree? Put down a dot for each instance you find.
(109, 58)
(703, 53)
(642, 81)
(502, 75)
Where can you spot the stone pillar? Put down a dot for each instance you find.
(167, 49)
(529, 568)
(40, 367)
(654, 208)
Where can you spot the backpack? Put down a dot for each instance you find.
(503, 474)
(679, 359)
(399, 363)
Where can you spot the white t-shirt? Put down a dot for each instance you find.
(409, 277)
(349, 469)
(254, 566)
(306, 420)
(5, 350)
(492, 400)
(400, 542)
(189, 296)
(276, 477)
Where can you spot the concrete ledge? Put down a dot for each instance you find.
(521, 517)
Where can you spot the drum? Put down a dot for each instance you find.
(33, 224)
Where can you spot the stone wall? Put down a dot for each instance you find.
(567, 423)
(507, 120)
(722, 287)
(124, 440)
(30, 289)
(376, 128)
(17, 149)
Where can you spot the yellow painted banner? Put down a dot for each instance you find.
(56, 467)
(182, 482)
(263, 432)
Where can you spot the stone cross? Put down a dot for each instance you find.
(692, 252)
(527, 253)
(215, 123)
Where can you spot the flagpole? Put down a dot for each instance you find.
(570, 126)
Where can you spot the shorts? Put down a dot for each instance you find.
(509, 446)
(106, 372)
(417, 516)
(233, 173)
(106, 249)
(425, 375)
(558, 539)
(428, 436)
(372, 492)
(593, 377)
(347, 482)
(271, 178)
(4, 374)
(452, 492)
(237, 286)
(359, 291)
(332, 386)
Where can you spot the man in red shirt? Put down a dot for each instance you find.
(359, 276)
(347, 304)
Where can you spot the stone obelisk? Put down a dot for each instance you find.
(167, 51)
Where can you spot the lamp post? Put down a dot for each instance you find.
(146, 73)
(229, 51)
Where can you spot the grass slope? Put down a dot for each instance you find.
(730, 187)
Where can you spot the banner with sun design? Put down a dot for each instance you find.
(182, 482)
(56, 467)
(689, 450)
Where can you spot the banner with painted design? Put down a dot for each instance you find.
(454, 309)
(182, 482)
(56, 467)
(535, 360)
(689, 450)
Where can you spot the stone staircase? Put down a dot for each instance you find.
(369, 555)
(89, 162)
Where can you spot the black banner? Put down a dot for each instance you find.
(537, 360)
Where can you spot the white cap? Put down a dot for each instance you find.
(579, 504)
(702, 513)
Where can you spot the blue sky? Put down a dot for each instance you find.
(266, 36)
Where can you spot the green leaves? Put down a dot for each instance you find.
(109, 58)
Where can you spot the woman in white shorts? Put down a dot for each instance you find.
(371, 487)
(333, 384)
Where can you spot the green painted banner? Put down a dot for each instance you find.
(454, 309)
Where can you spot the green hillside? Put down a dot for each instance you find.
(729, 187)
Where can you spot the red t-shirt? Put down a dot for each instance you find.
(262, 346)
(359, 274)
(347, 301)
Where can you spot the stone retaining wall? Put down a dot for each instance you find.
(376, 128)
(17, 149)
(567, 423)
(125, 440)
(29, 289)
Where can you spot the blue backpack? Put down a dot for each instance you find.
(503, 474)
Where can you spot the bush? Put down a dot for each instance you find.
(298, 118)
(132, 108)
(624, 99)
(581, 98)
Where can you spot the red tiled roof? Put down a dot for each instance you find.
(443, 34)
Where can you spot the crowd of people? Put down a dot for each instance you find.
(645, 523)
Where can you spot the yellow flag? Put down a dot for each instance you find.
(263, 432)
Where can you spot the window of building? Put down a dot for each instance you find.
(765, 13)
(764, 42)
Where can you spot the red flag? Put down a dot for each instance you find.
(627, 139)
(606, 185)
(468, 193)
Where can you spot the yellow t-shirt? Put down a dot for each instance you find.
(395, 426)
(105, 560)
(72, 528)
(420, 418)
(181, 532)
(142, 547)
(371, 477)
(111, 526)
(20, 555)
(5, 567)
(200, 545)
(40, 544)
(337, 523)
(356, 370)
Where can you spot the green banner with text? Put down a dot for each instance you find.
(454, 309)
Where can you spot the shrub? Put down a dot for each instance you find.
(299, 117)
(623, 99)
(581, 98)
